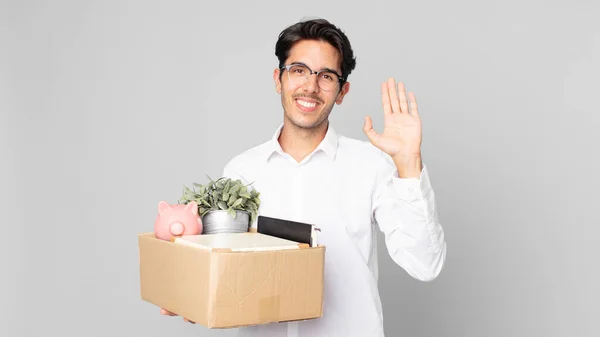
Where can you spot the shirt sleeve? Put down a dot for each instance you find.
(406, 212)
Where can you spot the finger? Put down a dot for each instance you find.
(414, 110)
(393, 96)
(166, 312)
(187, 320)
(369, 131)
(402, 94)
(385, 99)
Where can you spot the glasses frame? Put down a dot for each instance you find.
(287, 67)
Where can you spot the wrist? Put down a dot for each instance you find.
(408, 166)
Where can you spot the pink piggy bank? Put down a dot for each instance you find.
(177, 220)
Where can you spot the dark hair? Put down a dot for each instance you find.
(316, 29)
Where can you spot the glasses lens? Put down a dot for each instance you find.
(298, 74)
(328, 80)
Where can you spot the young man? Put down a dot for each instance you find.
(349, 188)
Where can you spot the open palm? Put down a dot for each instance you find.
(401, 136)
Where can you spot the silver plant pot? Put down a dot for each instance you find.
(219, 221)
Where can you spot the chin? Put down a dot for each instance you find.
(306, 123)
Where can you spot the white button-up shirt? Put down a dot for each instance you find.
(348, 188)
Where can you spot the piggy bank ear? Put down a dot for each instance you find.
(192, 207)
(163, 206)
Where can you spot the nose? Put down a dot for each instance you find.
(312, 83)
(177, 228)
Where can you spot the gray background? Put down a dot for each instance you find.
(110, 106)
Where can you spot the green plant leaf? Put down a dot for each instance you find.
(251, 205)
(231, 212)
(237, 202)
(188, 193)
(234, 188)
(222, 205)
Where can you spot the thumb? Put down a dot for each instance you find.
(369, 131)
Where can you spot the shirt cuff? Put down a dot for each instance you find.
(412, 189)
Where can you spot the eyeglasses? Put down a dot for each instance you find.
(299, 74)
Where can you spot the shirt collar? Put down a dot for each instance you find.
(328, 145)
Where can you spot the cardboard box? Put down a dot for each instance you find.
(221, 288)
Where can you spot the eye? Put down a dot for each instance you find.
(298, 70)
(328, 77)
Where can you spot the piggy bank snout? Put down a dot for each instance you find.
(177, 228)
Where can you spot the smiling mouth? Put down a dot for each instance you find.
(306, 104)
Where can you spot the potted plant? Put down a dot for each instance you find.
(225, 205)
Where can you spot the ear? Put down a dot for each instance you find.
(163, 206)
(342, 93)
(192, 207)
(277, 81)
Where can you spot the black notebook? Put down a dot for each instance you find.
(286, 229)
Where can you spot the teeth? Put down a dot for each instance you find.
(307, 104)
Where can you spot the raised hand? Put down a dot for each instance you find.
(402, 133)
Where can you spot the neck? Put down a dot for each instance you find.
(299, 142)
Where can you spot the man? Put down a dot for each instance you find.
(309, 173)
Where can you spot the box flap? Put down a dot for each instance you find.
(238, 242)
